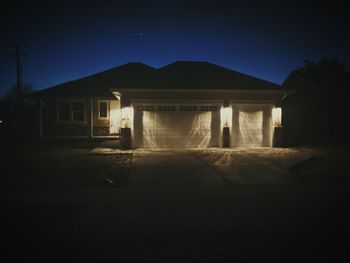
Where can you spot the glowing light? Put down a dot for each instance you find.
(226, 116)
(117, 95)
(127, 117)
(277, 116)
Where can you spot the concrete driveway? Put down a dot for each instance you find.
(196, 174)
(201, 203)
(214, 204)
(231, 166)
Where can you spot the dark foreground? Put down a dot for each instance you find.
(175, 205)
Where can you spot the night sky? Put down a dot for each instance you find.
(67, 40)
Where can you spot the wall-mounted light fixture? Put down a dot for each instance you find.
(127, 116)
(226, 103)
(117, 95)
(226, 116)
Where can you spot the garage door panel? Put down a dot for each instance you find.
(251, 127)
(204, 126)
(177, 128)
(205, 116)
(149, 132)
(164, 120)
(181, 132)
(148, 119)
(168, 132)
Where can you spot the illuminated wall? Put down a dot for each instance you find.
(115, 117)
(277, 116)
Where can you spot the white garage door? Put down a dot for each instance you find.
(252, 125)
(251, 128)
(172, 126)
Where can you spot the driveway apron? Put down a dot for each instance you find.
(198, 202)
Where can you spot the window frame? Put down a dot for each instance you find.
(72, 111)
(71, 119)
(166, 107)
(99, 109)
(58, 112)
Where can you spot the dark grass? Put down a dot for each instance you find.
(32, 231)
(59, 165)
(328, 165)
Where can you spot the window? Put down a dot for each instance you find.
(145, 108)
(103, 109)
(209, 108)
(64, 111)
(71, 111)
(78, 112)
(166, 108)
(188, 108)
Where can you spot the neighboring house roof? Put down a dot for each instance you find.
(178, 75)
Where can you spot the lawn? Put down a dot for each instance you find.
(60, 165)
(58, 204)
(71, 165)
(328, 165)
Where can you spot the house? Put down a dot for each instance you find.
(183, 104)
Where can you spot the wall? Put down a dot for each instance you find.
(101, 127)
(53, 128)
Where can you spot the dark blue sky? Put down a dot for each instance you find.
(71, 39)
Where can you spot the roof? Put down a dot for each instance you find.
(295, 81)
(177, 75)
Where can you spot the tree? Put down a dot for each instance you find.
(8, 102)
(12, 128)
(317, 112)
(328, 75)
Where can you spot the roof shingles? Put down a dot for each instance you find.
(178, 75)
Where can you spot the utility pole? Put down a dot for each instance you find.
(18, 55)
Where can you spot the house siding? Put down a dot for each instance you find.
(110, 126)
(101, 126)
(53, 128)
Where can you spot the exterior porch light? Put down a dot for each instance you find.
(117, 95)
(226, 115)
(127, 114)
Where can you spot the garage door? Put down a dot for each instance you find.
(170, 126)
(251, 128)
(252, 125)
